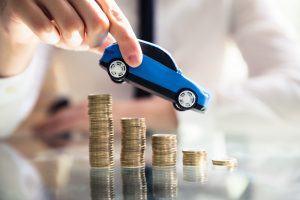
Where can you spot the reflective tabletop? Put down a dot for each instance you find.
(29, 170)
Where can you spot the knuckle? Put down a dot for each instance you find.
(72, 23)
(100, 25)
(117, 14)
(125, 35)
(41, 26)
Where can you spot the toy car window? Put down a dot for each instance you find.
(158, 55)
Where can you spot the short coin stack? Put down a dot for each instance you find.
(102, 183)
(134, 183)
(101, 131)
(194, 158)
(164, 150)
(133, 142)
(227, 162)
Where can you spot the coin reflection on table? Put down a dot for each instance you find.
(197, 174)
(134, 183)
(164, 182)
(102, 183)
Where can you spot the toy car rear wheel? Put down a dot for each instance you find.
(117, 70)
(186, 99)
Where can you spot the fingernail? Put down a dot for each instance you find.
(51, 37)
(135, 60)
(75, 39)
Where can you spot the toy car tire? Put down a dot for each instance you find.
(177, 107)
(117, 70)
(186, 99)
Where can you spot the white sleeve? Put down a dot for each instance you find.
(19, 93)
(271, 95)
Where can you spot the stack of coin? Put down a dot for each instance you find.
(194, 158)
(133, 142)
(165, 183)
(134, 183)
(101, 130)
(164, 150)
(227, 162)
(195, 173)
(102, 183)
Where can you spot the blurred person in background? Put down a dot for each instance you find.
(196, 33)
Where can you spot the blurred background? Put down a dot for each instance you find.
(67, 79)
(288, 10)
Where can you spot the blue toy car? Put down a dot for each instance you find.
(157, 74)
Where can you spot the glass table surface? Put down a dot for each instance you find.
(29, 170)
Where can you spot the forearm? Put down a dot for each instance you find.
(159, 113)
(268, 102)
(271, 94)
(14, 57)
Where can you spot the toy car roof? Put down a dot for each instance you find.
(159, 54)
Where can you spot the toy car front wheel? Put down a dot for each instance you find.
(117, 70)
(186, 99)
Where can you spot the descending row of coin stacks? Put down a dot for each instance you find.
(133, 142)
(164, 150)
(101, 130)
(134, 183)
(102, 183)
(165, 182)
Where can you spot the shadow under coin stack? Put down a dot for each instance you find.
(134, 183)
(164, 150)
(164, 182)
(101, 131)
(133, 142)
(102, 183)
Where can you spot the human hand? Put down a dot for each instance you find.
(71, 118)
(72, 24)
(55, 131)
(75, 118)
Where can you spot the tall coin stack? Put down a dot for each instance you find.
(194, 158)
(134, 183)
(102, 183)
(164, 150)
(101, 131)
(133, 142)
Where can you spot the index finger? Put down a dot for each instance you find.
(122, 32)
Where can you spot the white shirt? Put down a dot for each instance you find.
(195, 32)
